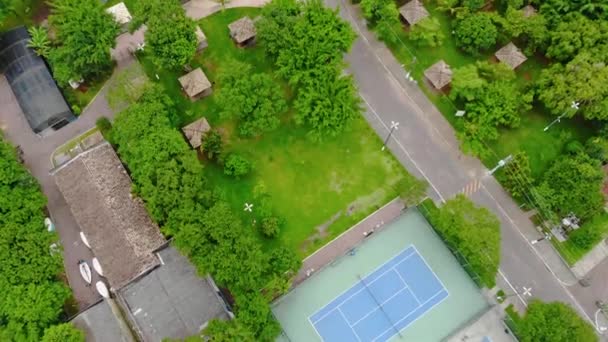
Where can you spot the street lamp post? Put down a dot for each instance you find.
(501, 163)
(394, 126)
(574, 105)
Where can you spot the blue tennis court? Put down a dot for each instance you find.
(383, 303)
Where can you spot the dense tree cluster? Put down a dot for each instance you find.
(555, 322)
(383, 15)
(170, 37)
(474, 232)
(169, 178)
(65, 332)
(573, 184)
(254, 98)
(85, 33)
(492, 99)
(476, 32)
(31, 293)
(306, 41)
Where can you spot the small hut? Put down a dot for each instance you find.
(510, 55)
(195, 132)
(413, 12)
(528, 11)
(195, 84)
(121, 15)
(243, 31)
(201, 39)
(439, 74)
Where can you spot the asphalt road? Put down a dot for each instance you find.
(426, 146)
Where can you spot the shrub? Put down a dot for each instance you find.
(270, 226)
(76, 110)
(104, 125)
(427, 33)
(212, 144)
(236, 165)
(584, 238)
(575, 147)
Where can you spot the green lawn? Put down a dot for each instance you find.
(309, 183)
(541, 147)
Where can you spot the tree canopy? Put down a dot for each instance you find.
(85, 33)
(475, 33)
(573, 184)
(65, 332)
(170, 37)
(553, 322)
(255, 98)
(31, 296)
(491, 99)
(474, 232)
(307, 41)
(427, 32)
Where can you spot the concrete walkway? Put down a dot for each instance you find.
(349, 239)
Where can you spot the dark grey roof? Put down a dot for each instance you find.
(31, 81)
(172, 301)
(100, 324)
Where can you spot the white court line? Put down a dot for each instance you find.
(349, 288)
(408, 287)
(431, 269)
(315, 329)
(381, 304)
(350, 326)
(422, 314)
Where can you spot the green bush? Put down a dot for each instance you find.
(575, 147)
(584, 238)
(236, 165)
(104, 125)
(76, 110)
(271, 226)
(212, 144)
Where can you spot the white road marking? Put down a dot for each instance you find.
(528, 291)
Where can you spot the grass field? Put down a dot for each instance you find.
(319, 189)
(542, 148)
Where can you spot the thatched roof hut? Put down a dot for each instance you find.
(195, 84)
(510, 55)
(413, 12)
(528, 11)
(439, 74)
(201, 39)
(242, 31)
(120, 13)
(195, 132)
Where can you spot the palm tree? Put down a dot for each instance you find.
(39, 40)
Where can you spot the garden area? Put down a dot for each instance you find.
(542, 104)
(317, 189)
(274, 159)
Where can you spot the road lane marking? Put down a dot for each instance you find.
(403, 148)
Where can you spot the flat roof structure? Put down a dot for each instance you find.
(122, 236)
(242, 30)
(195, 132)
(195, 83)
(30, 79)
(439, 74)
(172, 301)
(99, 324)
(413, 11)
(511, 55)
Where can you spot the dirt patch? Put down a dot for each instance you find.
(336, 184)
(321, 231)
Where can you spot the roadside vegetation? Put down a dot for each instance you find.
(32, 290)
(555, 322)
(506, 111)
(471, 233)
